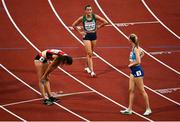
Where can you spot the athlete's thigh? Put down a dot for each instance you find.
(87, 45)
(139, 83)
(44, 67)
(39, 66)
(131, 83)
(93, 44)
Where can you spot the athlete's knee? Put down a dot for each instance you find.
(131, 90)
(90, 54)
(143, 92)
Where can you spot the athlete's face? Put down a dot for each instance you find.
(88, 10)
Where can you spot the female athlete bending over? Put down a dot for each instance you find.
(89, 34)
(45, 62)
(136, 76)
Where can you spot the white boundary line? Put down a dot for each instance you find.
(23, 82)
(13, 114)
(37, 99)
(164, 52)
(167, 90)
(128, 39)
(4, 5)
(122, 24)
(58, 17)
(144, 3)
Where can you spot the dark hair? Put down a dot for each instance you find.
(87, 6)
(63, 60)
(134, 39)
(68, 60)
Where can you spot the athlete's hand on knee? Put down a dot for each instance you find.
(44, 79)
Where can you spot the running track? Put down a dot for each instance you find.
(108, 93)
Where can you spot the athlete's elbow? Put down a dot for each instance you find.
(105, 22)
(138, 62)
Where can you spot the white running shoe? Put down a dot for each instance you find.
(127, 112)
(87, 70)
(93, 74)
(147, 112)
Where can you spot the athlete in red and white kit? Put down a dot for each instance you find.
(45, 62)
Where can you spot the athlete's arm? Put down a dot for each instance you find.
(138, 58)
(51, 68)
(76, 23)
(141, 52)
(102, 20)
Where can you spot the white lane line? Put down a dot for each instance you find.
(13, 114)
(167, 90)
(128, 39)
(56, 14)
(52, 7)
(56, 95)
(122, 24)
(17, 28)
(40, 93)
(164, 52)
(144, 51)
(144, 3)
(79, 58)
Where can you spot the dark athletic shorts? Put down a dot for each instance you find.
(90, 36)
(137, 71)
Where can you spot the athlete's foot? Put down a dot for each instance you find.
(127, 112)
(47, 102)
(93, 74)
(87, 70)
(53, 99)
(147, 112)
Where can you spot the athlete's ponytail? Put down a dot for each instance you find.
(134, 39)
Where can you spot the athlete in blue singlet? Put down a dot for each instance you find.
(136, 76)
(89, 34)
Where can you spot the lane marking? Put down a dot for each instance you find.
(58, 17)
(79, 58)
(165, 46)
(146, 6)
(12, 49)
(26, 39)
(128, 39)
(122, 24)
(101, 47)
(167, 90)
(56, 95)
(13, 114)
(164, 52)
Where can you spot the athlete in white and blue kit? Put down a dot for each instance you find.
(89, 21)
(136, 76)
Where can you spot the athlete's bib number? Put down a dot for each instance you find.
(90, 26)
(41, 59)
(138, 73)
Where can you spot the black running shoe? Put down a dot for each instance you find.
(53, 99)
(47, 102)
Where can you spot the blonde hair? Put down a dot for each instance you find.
(133, 37)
